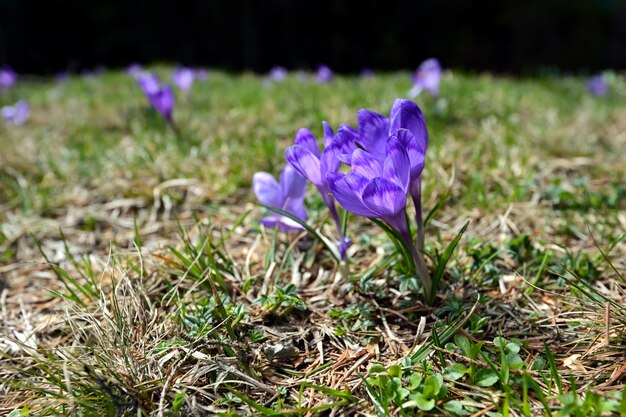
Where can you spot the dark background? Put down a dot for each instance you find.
(503, 36)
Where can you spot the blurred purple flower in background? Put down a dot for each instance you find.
(287, 195)
(134, 70)
(278, 73)
(183, 78)
(16, 114)
(149, 83)
(324, 74)
(427, 77)
(62, 76)
(367, 73)
(201, 74)
(8, 77)
(160, 96)
(597, 85)
(163, 101)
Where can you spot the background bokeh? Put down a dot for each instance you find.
(39, 36)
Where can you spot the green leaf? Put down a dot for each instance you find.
(443, 261)
(395, 370)
(436, 208)
(465, 345)
(455, 371)
(415, 381)
(432, 385)
(455, 407)
(485, 378)
(513, 347)
(423, 403)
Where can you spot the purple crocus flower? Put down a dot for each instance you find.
(160, 96)
(367, 73)
(16, 114)
(201, 74)
(134, 70)
(278, 74)
(149, 83)
(183, 78)
(8, 77)
(427, 77)
(407, 123)
(62, 76)
(324, 74)
(305, 157)
(597, 86)
(163, 101)
(378, 189)
(287, 195)
(384, 172)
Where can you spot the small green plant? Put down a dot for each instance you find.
(405, 390)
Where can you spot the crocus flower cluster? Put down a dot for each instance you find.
(8, 77)
(386, 156)
(183, 78)
(597, 85)
(16, 114)
(160, 96)
(427, 77)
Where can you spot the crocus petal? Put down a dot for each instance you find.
(306, 163)
(344, 244)
(416, 155)
(397, 167)
(163, 101)
(292, 185)
(266, 189)
(384, 198)
(329, 135)
(346, 196)
(149, 83)
(306, 139)
(288, 225)
(373, 131)
(270, 221)
(329, 161)
(407, 115)
(366, 164)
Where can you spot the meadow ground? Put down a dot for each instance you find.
(136, 280)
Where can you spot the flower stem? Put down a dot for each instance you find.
(401, 226)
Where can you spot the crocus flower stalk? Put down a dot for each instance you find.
(427, 77)
(597, 85)
(16, 114)
(378, 189)
(305, 157)
(287, 195)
